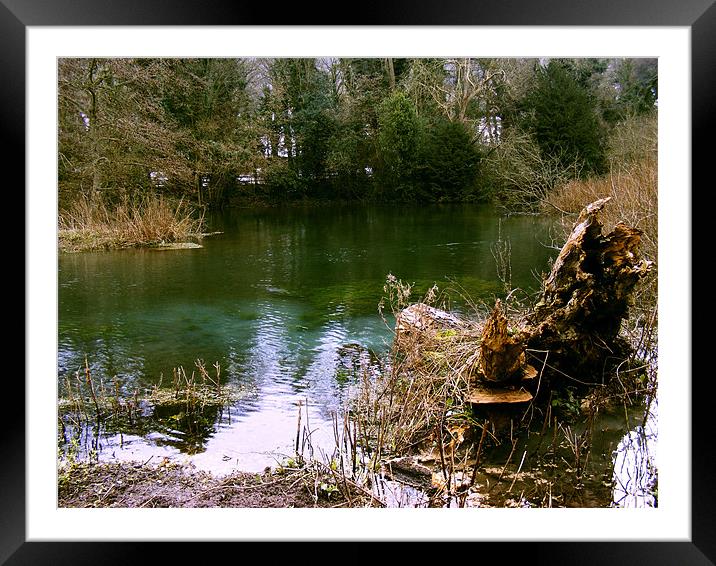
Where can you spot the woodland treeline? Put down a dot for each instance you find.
(215, 130)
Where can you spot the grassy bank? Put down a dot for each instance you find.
(91, 223)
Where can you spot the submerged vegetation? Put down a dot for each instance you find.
(191, 404)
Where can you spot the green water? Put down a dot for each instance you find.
(272, 299)
(277, 287)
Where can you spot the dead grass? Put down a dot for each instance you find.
(90, 223)
(633, 187)
(417, 401)
(175, 485)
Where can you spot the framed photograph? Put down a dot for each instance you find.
(38, 39)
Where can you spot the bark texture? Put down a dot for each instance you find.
(502, 353)
(585, 298)
(588, 293)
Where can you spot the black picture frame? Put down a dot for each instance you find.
(699, 15)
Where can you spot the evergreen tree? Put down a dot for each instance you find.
(636, 84)
(561, 114)
(299, 109)
(382, 128)
(209, 103)
(398, 142)
(448, 162)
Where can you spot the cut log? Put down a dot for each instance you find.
(408, 470)
(498, 396)
(423, 317)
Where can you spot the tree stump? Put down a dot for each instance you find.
(502, 353)
(576, 322)
(587, 294)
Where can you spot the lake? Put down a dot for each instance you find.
(275, 300)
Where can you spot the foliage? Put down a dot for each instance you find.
(632, 182)
(449, 161)
(523, 176)
(369, 128)
(637, 85)
(560, 114)
(398, 139)
(112, 129)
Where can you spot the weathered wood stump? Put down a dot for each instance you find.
(587, 295)
(577, 320)
(502, 353)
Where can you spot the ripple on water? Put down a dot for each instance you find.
(273, 300)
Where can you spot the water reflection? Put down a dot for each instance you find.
(286, 302)
(635, 471)
(287, 368)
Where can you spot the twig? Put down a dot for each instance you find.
(517, 473)
(478, 453)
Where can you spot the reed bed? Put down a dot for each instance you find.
(91, 223)
(633, 187)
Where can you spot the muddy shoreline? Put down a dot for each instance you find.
(176, 485)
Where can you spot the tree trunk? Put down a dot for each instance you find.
(94, 127)
(391, 72)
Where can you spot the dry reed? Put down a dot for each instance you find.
(417, 402)
(92, 223)
(633, 187)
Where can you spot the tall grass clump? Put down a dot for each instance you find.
(632, 182)
(85, 398)
(417, 401)
(91, 223)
